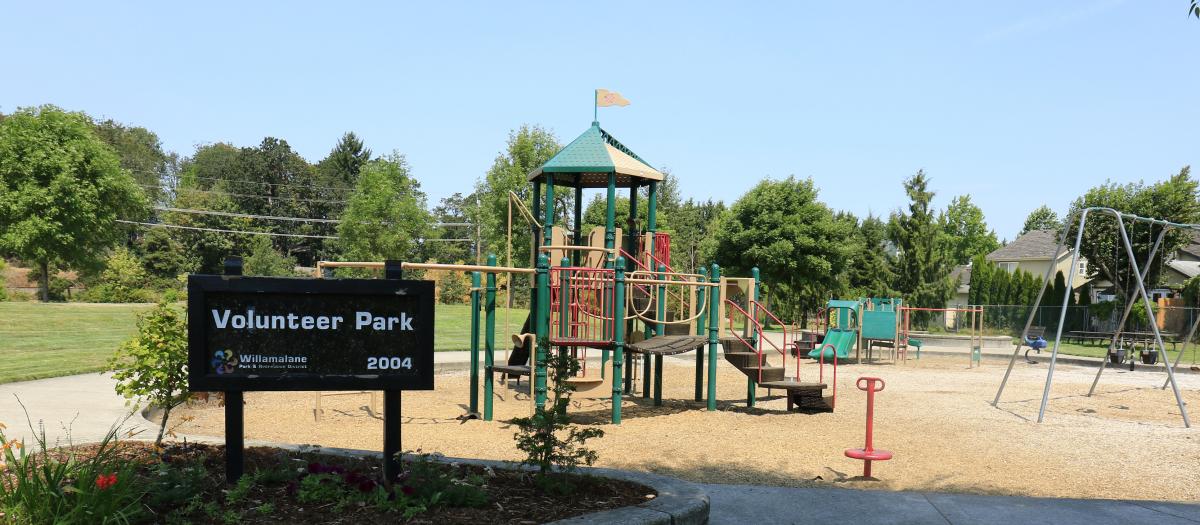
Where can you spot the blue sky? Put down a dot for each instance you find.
(1015, 103)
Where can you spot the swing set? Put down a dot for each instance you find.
(1138, 276)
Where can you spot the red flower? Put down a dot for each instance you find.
(103, 482)
(407, 490)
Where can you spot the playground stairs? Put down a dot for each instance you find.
(802, 395)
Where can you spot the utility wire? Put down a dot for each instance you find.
(293, 219)
(250, 195)
(245, 215)
(164, 225)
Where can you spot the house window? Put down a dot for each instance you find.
(1009, 267)
(1082, 268)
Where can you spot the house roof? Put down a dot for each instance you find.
(1189, 269)
(589, 160)
(1033, 245)
(1193, 247)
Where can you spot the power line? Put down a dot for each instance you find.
(179, 176)
(164, 225)
(250, 195)
(245, 215)
(293, 219)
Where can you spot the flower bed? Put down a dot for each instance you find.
(184, 483)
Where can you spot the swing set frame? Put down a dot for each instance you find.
(1139, 292)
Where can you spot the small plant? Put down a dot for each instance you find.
(57, 486)
(548, 437)
(152, 364)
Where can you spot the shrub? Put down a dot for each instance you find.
(548, 437)
(265, 261)
(59, 486)
(151, 364)
(122, 281)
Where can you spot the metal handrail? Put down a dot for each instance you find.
(821, 373)
(745, 342)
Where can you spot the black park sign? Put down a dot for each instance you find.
(263, 333)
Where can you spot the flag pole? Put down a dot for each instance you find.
(595, 105)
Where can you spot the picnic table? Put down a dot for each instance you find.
(1083, 336)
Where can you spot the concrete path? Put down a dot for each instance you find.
(738, 504)
(80, 409)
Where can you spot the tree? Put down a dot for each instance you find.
(528, 147)
(162, 256)
(140, 152)
(265, 261)
(966, 231)
(386, 217)
(341, 167)
(923, 265)
(793, 238)
(200, 176)
(61, 191)
(1043, 218)
(272, 179)
(455, 209)
(1174, 199)
(151, 364)
(692, 224)
(870, 272)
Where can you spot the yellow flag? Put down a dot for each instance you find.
(605, 98)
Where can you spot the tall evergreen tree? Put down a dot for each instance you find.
(341, 167)
(870, 272)
(923, 265)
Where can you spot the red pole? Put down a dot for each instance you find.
(868, 452)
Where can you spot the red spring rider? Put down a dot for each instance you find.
(868, 453)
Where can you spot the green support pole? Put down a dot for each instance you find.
(714, 322)
(659, 328)
(543, 329)
(535, 236)
(651, 220)
(618, 338)
(475, 283)
(701, 294)
(489, 339)
(548, 221)
(610, 219)
(750, 383)
(578, 224)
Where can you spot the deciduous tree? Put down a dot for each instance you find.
(61, 191)
(1043, 218)
(793, 238)
(386, 216)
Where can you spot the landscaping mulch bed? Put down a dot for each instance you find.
(512, 495)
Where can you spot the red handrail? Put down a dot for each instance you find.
(757, 348)
(821, 374)
(783, 326)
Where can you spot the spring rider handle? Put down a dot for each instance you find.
(870, 384)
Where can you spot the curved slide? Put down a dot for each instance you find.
(841, 340)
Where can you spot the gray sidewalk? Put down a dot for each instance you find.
(738, 504)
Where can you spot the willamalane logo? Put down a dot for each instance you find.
(224, 362)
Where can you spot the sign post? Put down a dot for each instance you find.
(286, 334)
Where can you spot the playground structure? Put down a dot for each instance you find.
(615, 292)
(1139, 278)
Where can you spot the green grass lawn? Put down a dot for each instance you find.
(55, 339)
(1066, 348)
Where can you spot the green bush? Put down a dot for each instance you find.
(122, 281)
(150, 365)
(265, 261)
(58, 285)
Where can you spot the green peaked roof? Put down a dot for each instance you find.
(596, 152)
